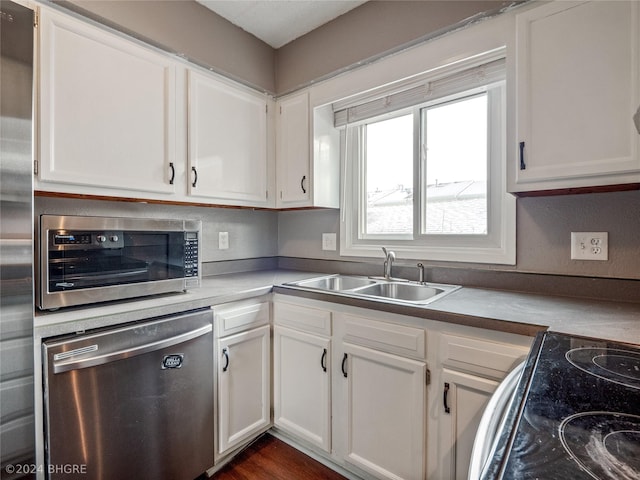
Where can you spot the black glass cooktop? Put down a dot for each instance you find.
(580, 413)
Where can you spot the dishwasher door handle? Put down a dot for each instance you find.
(66, 365)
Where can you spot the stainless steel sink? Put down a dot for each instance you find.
(336, 282)
(409, 292)
(378, 288)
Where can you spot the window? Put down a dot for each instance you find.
(425, 170)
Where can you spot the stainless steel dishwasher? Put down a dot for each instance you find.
(134, 401)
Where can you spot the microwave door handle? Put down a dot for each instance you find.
(71, 364)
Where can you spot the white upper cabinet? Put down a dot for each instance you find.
(227, 130)
(307, 154)
(293, 152)
(577, 89)
(107, 111)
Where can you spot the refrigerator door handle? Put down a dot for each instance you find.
(72, 364)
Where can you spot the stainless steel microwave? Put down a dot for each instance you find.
(85, 260)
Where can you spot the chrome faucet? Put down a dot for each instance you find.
(390, 256)
(420, 273)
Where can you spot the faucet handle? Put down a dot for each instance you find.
(389, 254)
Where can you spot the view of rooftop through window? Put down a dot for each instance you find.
(389, 176)
(454, 155)
(456, 167)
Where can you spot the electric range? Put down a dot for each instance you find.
(576, 413)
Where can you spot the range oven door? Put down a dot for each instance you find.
(132, 402)
(492, 423)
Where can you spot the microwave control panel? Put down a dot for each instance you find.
(99, 239)
(191, 254)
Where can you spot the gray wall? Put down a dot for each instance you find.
(188, 28)
(366, 33)
(363, 34)
(544, 227)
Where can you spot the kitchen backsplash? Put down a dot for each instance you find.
(544, 227)
(252, 233)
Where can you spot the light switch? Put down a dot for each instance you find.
(223, 240)
(328, 241)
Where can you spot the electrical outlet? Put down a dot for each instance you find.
(223, 240)
(328, 241)
(589, 246)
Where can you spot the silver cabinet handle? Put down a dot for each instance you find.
(636, 119)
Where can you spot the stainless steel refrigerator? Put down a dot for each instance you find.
(17, 442)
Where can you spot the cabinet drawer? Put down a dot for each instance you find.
(302, 318)
(481, 356)
(238, 316)
(386, 337)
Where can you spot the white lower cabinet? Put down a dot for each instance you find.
(380, 396)
(385, 405)
(401, 397)
(470, 368)
(302, 387)
(352, 386)
(243, 373)
(302, 373)
(464, 399)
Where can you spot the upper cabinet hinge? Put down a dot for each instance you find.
(266, 108)
(428, 377)
(35, 167)
(280, 109)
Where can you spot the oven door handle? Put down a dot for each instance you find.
(67, 364)
(492, 422)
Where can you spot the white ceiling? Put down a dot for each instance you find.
(277, 22)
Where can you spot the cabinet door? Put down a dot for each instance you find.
(385, 397)
(227, 142)
(301, 382)
(464, 397)
(107, 110)
(293, 152)
(243, 386)
(578, 86)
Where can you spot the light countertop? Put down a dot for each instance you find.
(513, 312)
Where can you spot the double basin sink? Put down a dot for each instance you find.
(380, 288)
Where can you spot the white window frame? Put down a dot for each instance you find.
(497, 246)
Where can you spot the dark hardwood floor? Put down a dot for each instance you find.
(271, 459)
